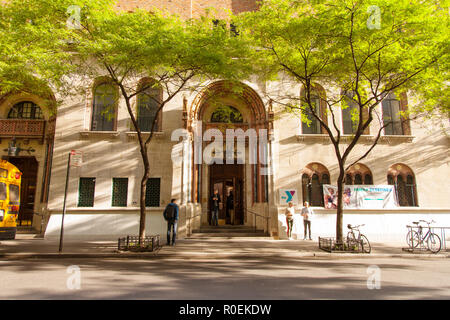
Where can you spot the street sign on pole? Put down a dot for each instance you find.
(75, 159)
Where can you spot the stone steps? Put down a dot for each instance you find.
(229, 235)
(228, 232)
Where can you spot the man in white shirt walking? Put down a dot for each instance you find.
(307, 214)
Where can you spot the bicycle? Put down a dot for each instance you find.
(355, 242)
(415, 238)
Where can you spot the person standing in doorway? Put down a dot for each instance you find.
(307, 214)
(215, 201)
(230, 206)
(171, 216)
(290, 211)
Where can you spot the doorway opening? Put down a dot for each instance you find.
(29, 168)
(228, 180)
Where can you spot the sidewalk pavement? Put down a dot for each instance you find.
(27, 246)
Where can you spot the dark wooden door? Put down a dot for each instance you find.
(29, 167)
(226, 178)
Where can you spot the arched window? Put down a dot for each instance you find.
(148, 103)
(358, 174)
(351, 108)
(314, 177)
(104, 108)
(227, 114)
(25, 110)
(305, 188)
(312, 126)
(402, 177)
(368, 179)
(348, 179)
(391, 115)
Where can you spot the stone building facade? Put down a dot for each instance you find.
(103, 193)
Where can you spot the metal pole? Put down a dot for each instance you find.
(64, 204)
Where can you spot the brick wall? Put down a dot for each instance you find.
(185, 7)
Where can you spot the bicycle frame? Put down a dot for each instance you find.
(420, 232)
(422, 239)
(352, 230)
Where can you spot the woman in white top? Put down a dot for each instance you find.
(290, 211)
(307, 214)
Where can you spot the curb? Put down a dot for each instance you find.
(140, 255)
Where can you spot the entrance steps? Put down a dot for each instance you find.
(227, 231)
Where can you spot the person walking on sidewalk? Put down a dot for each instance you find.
(215, 201)
(307, 214)
(171, 216)
(290, 211)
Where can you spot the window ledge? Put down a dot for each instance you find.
(89, 134)
(133, 134)
(103, 210)
(363, 137)
(303, 137)
(396, 138)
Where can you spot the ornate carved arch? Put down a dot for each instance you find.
(222, 88)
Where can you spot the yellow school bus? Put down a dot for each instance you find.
(10, 178)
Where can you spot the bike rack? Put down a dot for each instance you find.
(440, 231)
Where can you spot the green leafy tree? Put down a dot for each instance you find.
(364, 49)
(126, 47)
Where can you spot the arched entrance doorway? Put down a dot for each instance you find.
(220, 106)
(29, 168)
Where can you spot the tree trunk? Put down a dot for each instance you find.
(142, 199)
(340, 205)
(145, 161)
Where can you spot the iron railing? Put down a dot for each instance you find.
(22, 128)
(255, 214)
(131, 243)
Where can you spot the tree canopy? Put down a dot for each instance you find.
(351, 52)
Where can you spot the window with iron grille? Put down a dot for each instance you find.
(86, 192)
(120, 192)
(404, 190)
(152, 193)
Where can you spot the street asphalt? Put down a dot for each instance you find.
(210, 269)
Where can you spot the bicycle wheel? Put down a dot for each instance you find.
(366, 248)
(352, 244)
(434, 243)
(413, 241)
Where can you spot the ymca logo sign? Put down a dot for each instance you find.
(288, 195)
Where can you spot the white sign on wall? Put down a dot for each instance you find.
(288, 195)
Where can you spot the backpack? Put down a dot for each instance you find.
(170, 212)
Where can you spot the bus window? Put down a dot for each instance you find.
(3, 173)
(14, 195)
(2, 191)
